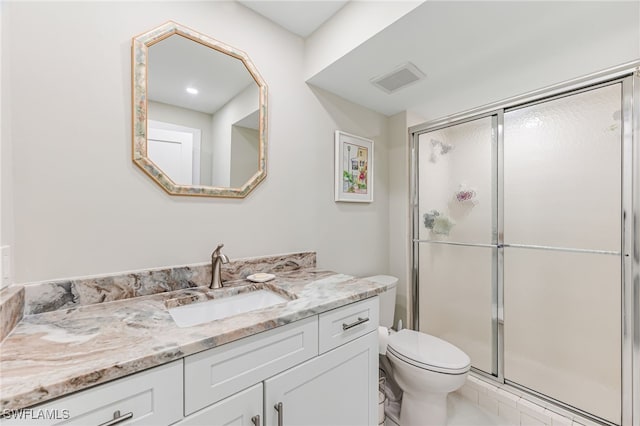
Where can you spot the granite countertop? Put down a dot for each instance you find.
(56, 353)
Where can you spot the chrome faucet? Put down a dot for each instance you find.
(217, 258)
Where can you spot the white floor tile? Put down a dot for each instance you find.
(464, 413)
(469, 393)
(526, 420)
(534, 411)
(558, 420)
(509, 414)
(507, 398)
(488, 402)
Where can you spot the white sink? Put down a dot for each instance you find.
(223, 307)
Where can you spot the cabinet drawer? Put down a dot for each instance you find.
(212, 375)
(152, 397)
(344, 324)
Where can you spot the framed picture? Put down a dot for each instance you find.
(354, 168)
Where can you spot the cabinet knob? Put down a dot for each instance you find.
(256, 420)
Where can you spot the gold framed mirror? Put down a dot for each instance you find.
(199, 114)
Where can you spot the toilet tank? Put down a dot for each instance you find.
(387, 298)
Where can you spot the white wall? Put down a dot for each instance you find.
(399, 212)
(2, 138)
(243, 104)
(346, 230)
(244, 154)
(352, 25)
(81, 205)
(6, 178)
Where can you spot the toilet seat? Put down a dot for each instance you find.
(428, 352)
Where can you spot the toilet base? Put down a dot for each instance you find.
(425, 410)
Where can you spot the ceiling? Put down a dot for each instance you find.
(177, 63)
(299, 17)
(484, 52)
(472, 52)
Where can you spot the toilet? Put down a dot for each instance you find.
(425, 367)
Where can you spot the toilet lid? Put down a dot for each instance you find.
(428, 352)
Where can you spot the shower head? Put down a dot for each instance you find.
(445, 148)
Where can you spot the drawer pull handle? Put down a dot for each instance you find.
(256, 420)
(280, 411)
(355, 323)
(117, 418)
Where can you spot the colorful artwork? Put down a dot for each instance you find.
(356, 164)
(354, 168)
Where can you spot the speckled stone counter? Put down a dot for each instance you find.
(56, 353)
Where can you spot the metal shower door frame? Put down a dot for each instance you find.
(628, 75)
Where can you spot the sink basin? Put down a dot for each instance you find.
(223, 307)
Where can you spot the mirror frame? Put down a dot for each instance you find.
(139, 64)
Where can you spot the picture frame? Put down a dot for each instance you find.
(354, 168)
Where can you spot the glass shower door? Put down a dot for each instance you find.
(455, 238)
(562, 261)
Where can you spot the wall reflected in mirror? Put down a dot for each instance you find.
(202, 114)
(205, 109)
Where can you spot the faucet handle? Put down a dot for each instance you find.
(216, 252)
(217, 258)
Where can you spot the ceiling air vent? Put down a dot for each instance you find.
(400, 77)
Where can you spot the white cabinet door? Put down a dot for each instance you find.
(241, 409)
(152, 397)
(336, 388)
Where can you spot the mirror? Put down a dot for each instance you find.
(199, 114)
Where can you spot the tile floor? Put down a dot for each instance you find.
(463, 412)
(480, 403)
(513, 409)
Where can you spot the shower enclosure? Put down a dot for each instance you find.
(525, 241)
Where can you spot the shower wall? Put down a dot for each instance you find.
(518, 242)
(456, 206)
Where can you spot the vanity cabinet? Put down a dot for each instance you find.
(336, 388)
(321, 370)
(151, 397)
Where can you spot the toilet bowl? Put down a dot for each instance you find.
(425, 367)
